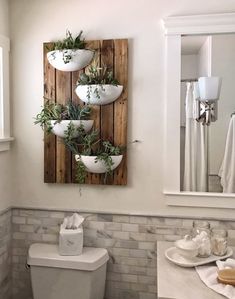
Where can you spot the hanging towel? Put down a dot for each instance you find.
(227, 169)
(208, 274)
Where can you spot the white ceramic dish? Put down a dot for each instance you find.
(173, 255)
(187, 247)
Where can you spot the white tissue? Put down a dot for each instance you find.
(71, 235)
(72, 222)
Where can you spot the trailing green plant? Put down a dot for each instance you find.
(58, 112)
(68, 43)
(89, 144)
(97, 76)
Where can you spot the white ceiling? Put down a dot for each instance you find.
(192, 44)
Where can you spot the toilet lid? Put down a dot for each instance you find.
(47, 255)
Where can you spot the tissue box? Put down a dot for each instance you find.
(70, 241)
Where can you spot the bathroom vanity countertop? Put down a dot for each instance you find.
(176, 282)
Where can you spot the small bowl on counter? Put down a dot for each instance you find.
(187, 247)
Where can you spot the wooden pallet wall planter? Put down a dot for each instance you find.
(110, 120)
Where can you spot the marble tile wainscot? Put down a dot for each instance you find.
(5, 254)
(130, 240)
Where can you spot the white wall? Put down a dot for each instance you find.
(4, 17)
(189, 66)
(36, 21)
(189, 70)
(204, 59)
(5, 161)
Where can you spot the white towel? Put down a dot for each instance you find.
(208, 275)
(227, 169)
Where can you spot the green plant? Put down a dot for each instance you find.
(89, 144)
(68, 43)
(58, 112)
(97, 76)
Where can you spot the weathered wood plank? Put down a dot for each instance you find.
(120, 106)
(63, 155)
(106, 116)
(75, 99)
(49, 140)
(93, 178)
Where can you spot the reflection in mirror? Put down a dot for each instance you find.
(207, 128)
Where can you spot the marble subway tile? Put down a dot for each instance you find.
(126, 244)
(121, 235)
(153, 288)
(59, 215)
(126, 227)
(49, 238)
(121, 218)
(147, 296)
(19, 236)
(173, 222)
(112, 226)
(138, 253)
(138, 236)
(147, 245)
(26, 228)
(121, 251)
(34, 221)
(150, 229)
(140, 287)
(129, 278)
(18, 220)
(138, 219)
(146, 279)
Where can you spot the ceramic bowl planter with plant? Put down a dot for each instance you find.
(94, 165)
(60, 128)
(94, 155)
(98, 86)
(64, 121)
(70, 54)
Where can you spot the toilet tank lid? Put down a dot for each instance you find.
(47, 255)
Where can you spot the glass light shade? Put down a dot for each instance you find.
(209, 88)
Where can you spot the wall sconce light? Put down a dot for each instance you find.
(209, 92)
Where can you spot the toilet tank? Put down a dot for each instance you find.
(67, 277)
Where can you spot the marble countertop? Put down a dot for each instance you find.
(176, 282)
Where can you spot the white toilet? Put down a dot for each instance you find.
(67, 277)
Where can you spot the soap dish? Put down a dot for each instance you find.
(173, 255)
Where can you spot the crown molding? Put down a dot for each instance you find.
(199, 24)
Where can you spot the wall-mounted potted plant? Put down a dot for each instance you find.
(64, 119)
(70, 54)
(98, 86)
(94, 155)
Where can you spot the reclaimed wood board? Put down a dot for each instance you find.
(110, 120)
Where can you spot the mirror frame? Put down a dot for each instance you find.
(174, 28)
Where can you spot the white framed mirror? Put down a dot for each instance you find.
(185, 36)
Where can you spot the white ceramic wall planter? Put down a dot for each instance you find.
(79, 59)
(99, 166)
(107, 93)
(59, 128)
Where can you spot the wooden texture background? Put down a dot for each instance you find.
(110, 120)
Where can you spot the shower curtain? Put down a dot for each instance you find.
(196, 145)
